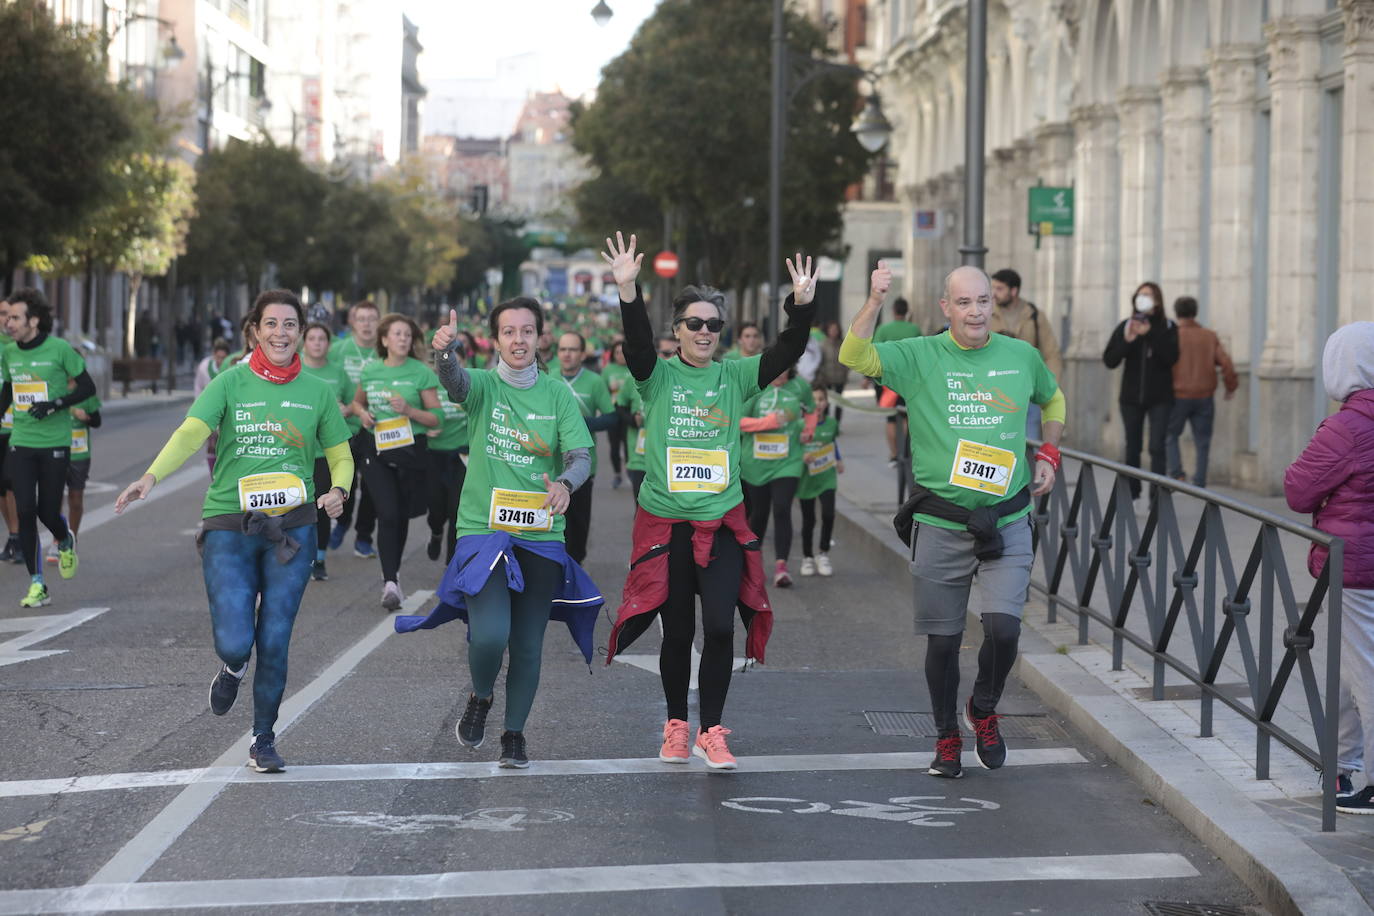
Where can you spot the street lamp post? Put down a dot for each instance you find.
(975, 117)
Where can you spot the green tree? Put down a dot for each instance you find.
(63, 122)
(429, 224)
(681, 122)
(258, 206)
(488, 243)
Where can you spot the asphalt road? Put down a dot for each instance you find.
(121, 792)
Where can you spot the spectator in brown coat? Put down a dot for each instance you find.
(1200, 355)
(1019, 318)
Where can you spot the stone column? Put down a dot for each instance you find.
(1357, 152)
(1287, 365)
(1233, 284)
(1138, 111)
(1002, 189)
(1184, 133)
(1054, 259)
(1022, 242)
(1096, 263)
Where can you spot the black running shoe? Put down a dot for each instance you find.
(263, 756)
(224, 690)
(949, 750)
(987, 739)
(11, 548)
(513, 751)
(432, 548)
(1362, 802)
(1344, 786)
(318, 572)
(472, 728)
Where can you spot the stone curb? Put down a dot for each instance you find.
(1282, 870)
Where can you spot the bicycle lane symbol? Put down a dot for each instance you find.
(496, 820)
(916, 810)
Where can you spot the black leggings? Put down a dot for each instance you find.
(1001, 633)
(394, 492)
(808, 509)
(445, 479)
(579, 521)
(636, 481)
(620, 447)
(323, 482)
(776, 495)
(718, 585)
(360, 445)
(38, 476)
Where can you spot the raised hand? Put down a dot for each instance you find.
(447, 333)
(803, 279)
(880, 282)
(624, 263)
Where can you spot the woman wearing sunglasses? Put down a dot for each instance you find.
(690, 534)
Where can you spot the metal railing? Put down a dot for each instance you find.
(1096, 558)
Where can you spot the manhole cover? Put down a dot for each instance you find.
(922, 725)
(1165, 908)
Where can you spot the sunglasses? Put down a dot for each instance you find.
(714, 325)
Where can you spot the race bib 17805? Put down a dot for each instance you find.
(984, 468)
(394, 433)
(698, 470)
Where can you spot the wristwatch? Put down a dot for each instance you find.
(343, 494)
(566, 485)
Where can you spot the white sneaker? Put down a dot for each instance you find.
(823, 565)
(808, 567)
(391, 596)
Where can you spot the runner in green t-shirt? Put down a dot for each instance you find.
(617, 376)
(352, 353)
(315, 362)
(966, 393)
(822, 458)
(594, 401)
(748, 342)
(12, 551)
(85, 417)
(630, 406)
(44, 376)
(691, 493)
(258, 524)
(771, 463)
(530, 453)
(896, 329)
(398, 402)
(448, 451)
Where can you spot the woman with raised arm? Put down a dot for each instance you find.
(510, 572)
(257, 537)
(690, 533)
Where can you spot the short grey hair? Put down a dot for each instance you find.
(694, 293)
(949, 277)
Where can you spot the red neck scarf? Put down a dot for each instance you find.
(277, 375)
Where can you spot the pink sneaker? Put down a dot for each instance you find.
(676, 742)
(710, 746)
(781, 578)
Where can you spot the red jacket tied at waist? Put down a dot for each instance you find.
(646, 586)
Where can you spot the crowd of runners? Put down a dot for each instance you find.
(489, 432)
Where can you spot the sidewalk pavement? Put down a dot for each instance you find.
(1268, 832)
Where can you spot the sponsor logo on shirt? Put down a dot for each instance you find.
(535, 416)
(996, 372)
(296, 405)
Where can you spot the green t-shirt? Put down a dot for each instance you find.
(351, 357)
(269, 436)
(630, 398)
(41, 374)
(453, 431)
(692, 439)
(334, 376)
(81, 433)
(776, 453)
(802, 388)
(900, 329)
(7, 421)
(593, 398)
(819, 456)
(966, 410)
(381, 383)
(617, 376)
(517, 437)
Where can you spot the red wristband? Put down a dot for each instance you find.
(1049, 453)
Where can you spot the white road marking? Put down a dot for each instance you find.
(492, 820)
(139, 854)
(223, 773)
(40, 629)
(525, 882)
(25, 833)
(192, 472)
(95, 486)
(906, 809)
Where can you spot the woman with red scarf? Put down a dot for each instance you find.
(257, 533)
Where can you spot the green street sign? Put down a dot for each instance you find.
(1050, 211)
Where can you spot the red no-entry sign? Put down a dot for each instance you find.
(665, 264)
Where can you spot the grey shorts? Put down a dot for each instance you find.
(78, 472)
(949, 580)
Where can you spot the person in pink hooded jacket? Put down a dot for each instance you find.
(1334, 479)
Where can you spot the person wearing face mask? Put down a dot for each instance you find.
(1147, 343)
(691, 502)
(258, 523)
(511, 573)
(594, 400)
(397, 401)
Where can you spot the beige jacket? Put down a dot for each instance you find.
(1024, 321)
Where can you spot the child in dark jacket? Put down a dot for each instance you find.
(1334, 479)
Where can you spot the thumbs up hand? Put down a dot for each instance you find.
(880, 282)
(447, 333)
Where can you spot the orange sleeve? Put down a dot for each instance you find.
(759, 424)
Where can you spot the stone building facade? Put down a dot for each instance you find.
(1221, 148)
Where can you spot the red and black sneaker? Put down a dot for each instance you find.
(948, 762)
(992, 750)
